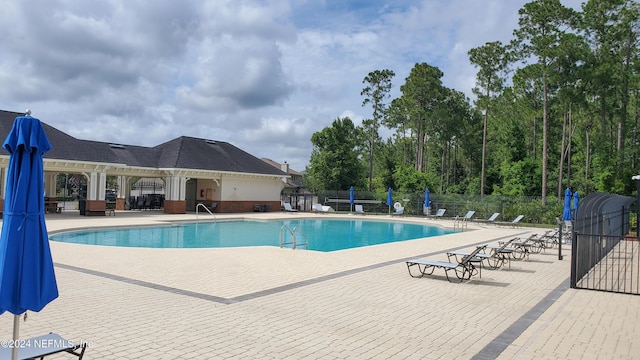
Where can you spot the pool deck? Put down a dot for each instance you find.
(263, 302)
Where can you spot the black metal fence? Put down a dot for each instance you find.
(509, 207)
(604, 255)
(606, 263)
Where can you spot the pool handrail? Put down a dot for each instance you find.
(206, 208)
(294, 239)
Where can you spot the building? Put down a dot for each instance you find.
(192, 170)
(294, 192)
(293, 183)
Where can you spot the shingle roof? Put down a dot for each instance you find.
(183, 152)
(194, 153)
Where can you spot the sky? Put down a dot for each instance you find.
(261, 75)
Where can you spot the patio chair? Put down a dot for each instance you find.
(463, 269)
(439, 213)
(399, 209)
(498, 255)
(513, 223)
(322, 208)
(491, 218)
(501, 254)
(287, 207)
(358, 209)
(469, 215)
(478, 259)
(45, 345)
(550, 238)
(523, 248)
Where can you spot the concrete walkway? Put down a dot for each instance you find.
(263, 302)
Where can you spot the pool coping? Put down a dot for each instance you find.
(525, 329)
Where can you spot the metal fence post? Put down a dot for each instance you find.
(560, 228)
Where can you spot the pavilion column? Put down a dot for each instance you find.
(123, 192)
(50, 184)
(175, 190)
(97, 184)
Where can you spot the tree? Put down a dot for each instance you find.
(334, 162)
(376, 92)
(422, 92)
(542, 24)
(492, 61)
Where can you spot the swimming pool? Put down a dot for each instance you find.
(322, 234)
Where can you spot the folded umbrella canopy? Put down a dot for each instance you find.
(427, 201)
(389, 199)
(27, 278)
(566, 213)
(351, 197)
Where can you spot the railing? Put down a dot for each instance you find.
(206, 208)
(294, 239)
(606, 263)
(460, 222)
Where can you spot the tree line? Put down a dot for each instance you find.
(556, 107)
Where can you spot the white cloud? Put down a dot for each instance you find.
(263, 75)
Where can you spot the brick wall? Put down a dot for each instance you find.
(175, 206)
(245, 206)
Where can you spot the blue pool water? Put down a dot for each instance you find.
(323, 235)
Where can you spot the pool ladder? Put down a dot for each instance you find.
(294, 243)
(204, 207)
(459, 223)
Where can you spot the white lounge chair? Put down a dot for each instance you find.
(513, 223)
(439, 213)
(287, 207)
(468, 215)
(358, 209)
(322, 208)
(491, 218)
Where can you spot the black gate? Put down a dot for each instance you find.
(604, 256)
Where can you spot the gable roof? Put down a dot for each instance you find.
(194, 153)
(183, 152)
(279, 166)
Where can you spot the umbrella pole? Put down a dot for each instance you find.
(16, 331)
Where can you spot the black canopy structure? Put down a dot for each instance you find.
(603, 214)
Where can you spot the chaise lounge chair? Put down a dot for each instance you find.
(322, 208)
(479, 258)
(498, 254)
(501, 253)
(491, 218)
(359, 209)
(287, 207)
(463, 269)
(439, 213)
(550, 238)
(513, 223)
(469, 215)
(532, 244)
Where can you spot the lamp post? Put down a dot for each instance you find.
(637, 179)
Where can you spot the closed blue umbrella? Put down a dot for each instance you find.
(351, 197)
(27, 279)
(566, 213)
(427, 201)
(389, 199)
(576, 203)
